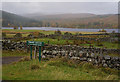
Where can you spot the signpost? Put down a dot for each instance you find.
(35, 43)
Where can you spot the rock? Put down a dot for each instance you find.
(75, 58)
(43, 56)
(83, 59)
(105, 65)
(89, 60)
(107, 57)
(92, 55)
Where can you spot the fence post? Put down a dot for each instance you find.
(39, 53)
(35, 53)
(31, 52)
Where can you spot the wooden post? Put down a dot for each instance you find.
(39, 53)
(31, 52)
(35, 53)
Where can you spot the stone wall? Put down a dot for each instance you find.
(98, 56)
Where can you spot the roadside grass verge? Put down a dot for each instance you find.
(57, 69)
(6, 53)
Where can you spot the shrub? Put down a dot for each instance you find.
(3, 35)
(109, 71)
(99, 44)
(18, 35)
(64, 59)
(58, 32)
(72, 63)
(34, 67)
(30, 36)
(67, 34)
(24, 59)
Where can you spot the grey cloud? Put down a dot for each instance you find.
(61, 7)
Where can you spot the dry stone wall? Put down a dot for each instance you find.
(98, 56)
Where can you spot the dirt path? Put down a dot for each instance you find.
(8, 60)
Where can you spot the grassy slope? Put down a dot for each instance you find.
(56, 69)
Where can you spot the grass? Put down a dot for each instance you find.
(27, 31)
(51, 41)
(55, 41)
(56, 69)
(47, 32)
(6, 53)
(12, 35)
(108, 45)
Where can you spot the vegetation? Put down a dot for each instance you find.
(13, 20)
(3, 35)
(52, 41)
(6, 53)
(58, 32)
(18, 35)
(57, 69)
(64, 20)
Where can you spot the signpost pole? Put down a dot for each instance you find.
(31, 52)
(39, 53)
(33, 43)
(35, 53)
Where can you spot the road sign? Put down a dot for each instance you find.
(35, 43)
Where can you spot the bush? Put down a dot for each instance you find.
(30, 36)
(3, 35)
(88, 66)
(34, 67)
(67, 34)
(109, 71)
(24, 59)
(72, 63)
(64, 59)
(99, 44)
(58, 32)
(18, 35)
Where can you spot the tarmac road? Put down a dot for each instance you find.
(9, 60)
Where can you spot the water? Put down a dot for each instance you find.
(63, 29)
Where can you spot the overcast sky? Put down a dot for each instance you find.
(61, 7)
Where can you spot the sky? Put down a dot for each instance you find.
(59, 0)
(20, 7)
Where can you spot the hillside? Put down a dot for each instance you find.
(59, 16)
(79, 20)
(9, 19)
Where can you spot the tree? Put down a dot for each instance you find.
(18, 35)
(3, 35)
(58, 32)
(21, 28)
(67, 33)
(113, 31)
(40, 34)
(15, 27)
(30, 36)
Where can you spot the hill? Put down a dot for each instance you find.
(79, 20)
(10, 19)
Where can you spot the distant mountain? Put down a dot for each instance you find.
(80, 20)
(9, 19)
(39, 16)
